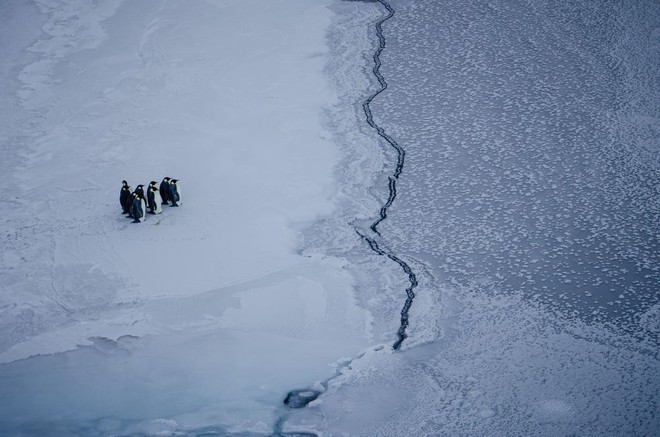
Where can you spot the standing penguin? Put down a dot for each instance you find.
(128, 203)
(139, 208)
(165, 191)
(124, 194)
(175, 192)
(153, 199)
(140, 190)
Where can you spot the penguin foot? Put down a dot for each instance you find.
(136, 221)
(174, 204)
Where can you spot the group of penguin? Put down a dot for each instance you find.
(135, 205)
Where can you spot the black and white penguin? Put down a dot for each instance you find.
(175, 192)
(128, 203)
(124, 194)
(165, 191)
(140, 190)
(153, 199)
(138, 208)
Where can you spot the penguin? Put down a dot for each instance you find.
(138, 208)
(140, 190)
(153, 199)
(175, 192)
(165, 191)
(124, 194)
(128, 202)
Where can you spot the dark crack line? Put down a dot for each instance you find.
(300, 398)
(366, 106)
(401, 154)
(410, 293)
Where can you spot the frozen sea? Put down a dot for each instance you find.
(528, 205)
(423, 217)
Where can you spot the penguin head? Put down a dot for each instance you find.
(124, 183)
(140, 186)
(152, 183)
(174, 181)
(166, 179)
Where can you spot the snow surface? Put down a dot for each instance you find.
(531, 140)
(207, 313)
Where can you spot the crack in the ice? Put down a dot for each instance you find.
(401, 154)
(302, 397)
(410, 293)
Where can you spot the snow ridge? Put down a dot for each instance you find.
(401, 153)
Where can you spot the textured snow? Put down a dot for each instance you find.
(207, 314)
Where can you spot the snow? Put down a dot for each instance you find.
(148, 103)
(208, 307)
(527, 211)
